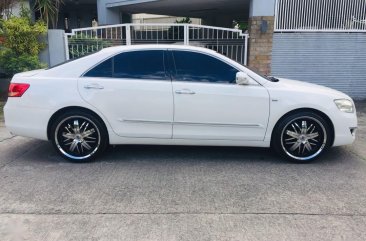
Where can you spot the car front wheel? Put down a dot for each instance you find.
(302, 137)
(78, 136)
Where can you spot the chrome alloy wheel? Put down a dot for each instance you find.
(303, 138)
(77, 137)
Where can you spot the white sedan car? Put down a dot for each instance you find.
(174, 95)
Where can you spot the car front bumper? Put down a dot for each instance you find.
(345, 128)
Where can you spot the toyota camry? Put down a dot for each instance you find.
(174, 95)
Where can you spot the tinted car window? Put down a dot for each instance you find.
(140, 65)
(102, 70)
(199, 67)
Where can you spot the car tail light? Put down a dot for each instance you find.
(17, 90)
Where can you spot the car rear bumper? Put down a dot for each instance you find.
(26, 121)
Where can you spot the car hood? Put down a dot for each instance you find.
(295, 85)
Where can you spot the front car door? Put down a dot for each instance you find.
(209, 105)
(133, 91)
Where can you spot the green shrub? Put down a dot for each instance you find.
(21, 45)
(13, 63)
(1, 26)
(82, 44)
(243, 26)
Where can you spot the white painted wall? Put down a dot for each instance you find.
(15, 9)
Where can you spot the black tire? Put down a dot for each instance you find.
(302, 137)
(78, 136)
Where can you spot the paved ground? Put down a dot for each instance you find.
(181, 193)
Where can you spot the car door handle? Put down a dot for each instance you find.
(185, 92)
(93, 86)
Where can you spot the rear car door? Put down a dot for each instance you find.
(133, 91)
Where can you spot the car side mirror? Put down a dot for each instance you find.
(242, 78)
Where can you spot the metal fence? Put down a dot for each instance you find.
(232, 43)
(320, 15)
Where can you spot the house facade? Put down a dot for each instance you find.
(319, 41)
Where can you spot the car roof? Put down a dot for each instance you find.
(117, 49)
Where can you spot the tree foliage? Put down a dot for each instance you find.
(22, 36)
(49, 10)
(22, 43)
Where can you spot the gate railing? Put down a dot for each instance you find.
(232, 43)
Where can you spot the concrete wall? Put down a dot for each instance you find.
(55, 52)
(262, 8)
(336, 60)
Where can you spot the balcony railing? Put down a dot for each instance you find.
(320, 16)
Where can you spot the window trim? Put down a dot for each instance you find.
(167, 74)
(174, 71)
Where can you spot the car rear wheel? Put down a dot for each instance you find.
(79, 136)
(302, 137)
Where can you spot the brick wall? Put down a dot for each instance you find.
(260, 44)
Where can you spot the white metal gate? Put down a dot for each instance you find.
(232, 43)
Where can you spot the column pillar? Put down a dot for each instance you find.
(107, 16)
(261, 26)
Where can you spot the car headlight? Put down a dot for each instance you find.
(345, 105)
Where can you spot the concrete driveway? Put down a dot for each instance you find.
(181, 193)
